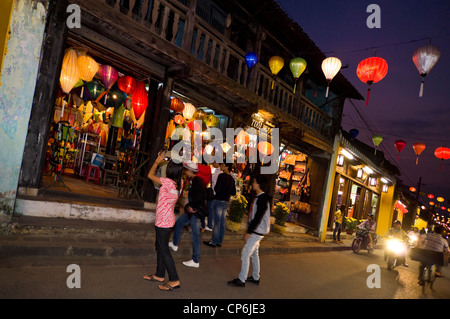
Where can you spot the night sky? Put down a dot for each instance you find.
(395, 110)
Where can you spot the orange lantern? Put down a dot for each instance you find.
(442, 153)
(87, 67)
(176, 105)
(265, 148)
(70, 73)
(418, 149)
(139, 101)
(242, 138)
(371, 70)
(178, 119)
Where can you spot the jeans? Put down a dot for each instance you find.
(337, 229)
(250, 250)
(163, 256)
(211, 214)
(220, 211)
(194, 222)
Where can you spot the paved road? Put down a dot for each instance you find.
(341, 275)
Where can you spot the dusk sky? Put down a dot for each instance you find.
(395, 110)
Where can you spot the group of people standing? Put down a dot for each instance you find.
(200, 203)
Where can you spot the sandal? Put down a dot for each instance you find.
(152, 278)
(169, 287)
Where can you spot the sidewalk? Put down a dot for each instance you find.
(38, 237)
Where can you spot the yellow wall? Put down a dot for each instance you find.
(386, 211)
(5, 17)
(420, 223)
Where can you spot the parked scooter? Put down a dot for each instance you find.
(395, 252)
(362, 240)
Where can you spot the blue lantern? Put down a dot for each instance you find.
(354, 133)
(251, 59)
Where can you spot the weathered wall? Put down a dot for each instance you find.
(17, 83)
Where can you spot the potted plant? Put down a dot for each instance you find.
(238, 207)
(281, 213)
(350, 224)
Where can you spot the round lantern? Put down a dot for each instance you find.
(440, 199)
(276, 63)
(108, 75)
(371, 70)
(443, 153)
(242, 138)
(251, 59)
(418, 149)
(200, 115)
(211, 120)
(188, 111)
(194, 125)
(70, 73)
(127, 84)
(399, 145)
(424, 59)
(297, 66)
(377, 139)
(139, 100)
(265, 148)
(430, 196)
(87, 67)
(178, 119)
(176, 105)
(353, 133)
(94, 90)
(330, 67)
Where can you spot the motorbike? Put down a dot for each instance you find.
(412, 239)
(395, 252)
(361, 241)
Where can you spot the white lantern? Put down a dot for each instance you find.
(330, 67)
(188, 111)
(424, 59)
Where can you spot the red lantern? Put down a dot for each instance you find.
(418, 149)
(430, 196)
(399, 145)
(265, 148)
(442, 153)
(139, 101)
(194, 125)
(178, 119)
(371, 70)
(127, 84)
(176, 105)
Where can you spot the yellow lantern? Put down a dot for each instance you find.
(87, 67)
(69, 71)
(330, 67)
(188, 111)
(276, 63)
(440, 199)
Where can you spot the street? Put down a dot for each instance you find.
(328, 275)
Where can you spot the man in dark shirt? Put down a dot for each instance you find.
(224, 189)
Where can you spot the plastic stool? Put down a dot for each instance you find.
(96, 176)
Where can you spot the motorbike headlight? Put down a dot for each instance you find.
(395, 246)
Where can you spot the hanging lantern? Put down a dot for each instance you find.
(330, 67)
(418, 149)
(424, 59)
(430, 196)
(116, 98)
(178, 119)
(127, 84)
(87, 67)
(194, 125)
(188, 111)
(176, 105)
(211, 120)
(399, 145)
(251, 59)
(371, 70)
(297, 66)
(108, 75)
(377, 139)
(70, 73)
(139, 100)
(443, 153)
(353, 133)
(440, 199)
(94, 90)
(265, 148)
(242, 138)
(276, 63)
(200, 115)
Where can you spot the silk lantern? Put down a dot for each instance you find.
(127, 84)
(443, 153)
(399, 145)
(108, 75)
(353, 133)
(418, 149)
(194, 125)
(139, 100)
(377, 139)
(211, 120)
(424, 59)
(371, 70)
(242, 138)
(70, 73)
(87, 67)
(176, 105)
(188, 111)
(200, 115)
(251, 59)
(276, 63)
(94, 90)
(265, 148)
(178, 119)
(297, 66)
(330, 67)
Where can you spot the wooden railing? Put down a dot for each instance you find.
(169, 20)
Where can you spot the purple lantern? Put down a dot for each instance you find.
(108, 75)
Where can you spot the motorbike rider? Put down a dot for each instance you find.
(369, 224)
(413, 235)
(435, 242)
(399, 233)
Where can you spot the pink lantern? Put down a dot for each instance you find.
(399, 145)
(108, 75)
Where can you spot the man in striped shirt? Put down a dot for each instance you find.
(435, 242)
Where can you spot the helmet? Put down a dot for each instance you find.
(397, 222)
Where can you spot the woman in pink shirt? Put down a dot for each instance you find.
(165, 219)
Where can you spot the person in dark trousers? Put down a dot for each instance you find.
(224, 189)
(258, 226)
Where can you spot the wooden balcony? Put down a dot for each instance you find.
(178, 27)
